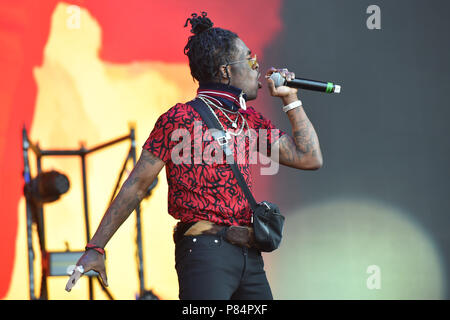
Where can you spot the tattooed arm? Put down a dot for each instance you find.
(131, 193)
(302, 151)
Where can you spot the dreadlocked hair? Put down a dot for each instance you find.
(208, 48)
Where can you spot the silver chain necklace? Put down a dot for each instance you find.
(244, 122)
(224, 111)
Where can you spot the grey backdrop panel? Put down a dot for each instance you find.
(386, 135)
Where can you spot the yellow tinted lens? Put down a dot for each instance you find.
(253, 62)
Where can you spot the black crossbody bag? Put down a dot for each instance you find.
(267, 220)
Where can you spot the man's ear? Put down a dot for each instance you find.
(225, 72)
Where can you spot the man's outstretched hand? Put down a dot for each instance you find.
(90, 260)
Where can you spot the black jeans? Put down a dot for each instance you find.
(210, 268)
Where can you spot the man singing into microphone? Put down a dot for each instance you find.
(205, 197)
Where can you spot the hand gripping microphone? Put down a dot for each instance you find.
(321, 86)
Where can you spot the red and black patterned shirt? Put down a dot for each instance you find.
(201, 184)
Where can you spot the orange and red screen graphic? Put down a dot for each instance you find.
(38, 69)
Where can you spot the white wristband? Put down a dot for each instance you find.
(292, 105)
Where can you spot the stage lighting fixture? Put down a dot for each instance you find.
(47, 187)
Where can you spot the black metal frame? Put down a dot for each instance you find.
(35, 212)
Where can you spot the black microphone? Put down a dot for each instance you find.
(307, 84)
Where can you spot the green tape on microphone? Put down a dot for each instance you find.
(330, 86)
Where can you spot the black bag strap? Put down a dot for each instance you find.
(219, 135)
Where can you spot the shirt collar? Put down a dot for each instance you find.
(228, 96)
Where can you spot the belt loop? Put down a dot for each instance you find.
(222, 232)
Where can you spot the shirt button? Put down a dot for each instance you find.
(216, 241)
(194, 240)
